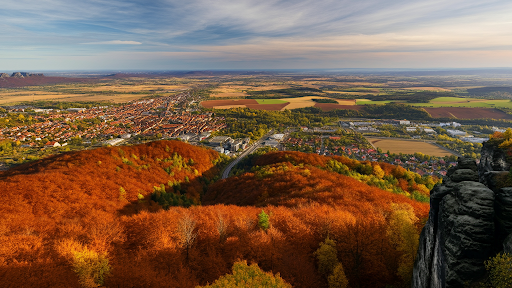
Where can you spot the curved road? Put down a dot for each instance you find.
(247, 151)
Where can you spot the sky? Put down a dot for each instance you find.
(41, 35)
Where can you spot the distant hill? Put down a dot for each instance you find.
(97, 203)
(22, 79)
(62, 185)
(295, 179)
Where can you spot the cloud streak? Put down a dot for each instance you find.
(114, 42)
(249, 30)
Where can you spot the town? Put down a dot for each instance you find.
(37, 132)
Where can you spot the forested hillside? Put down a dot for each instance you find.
(88, 218)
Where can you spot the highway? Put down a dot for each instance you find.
(247, 151)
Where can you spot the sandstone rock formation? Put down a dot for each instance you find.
(17, 75)
(4, 75)
(24, 74)
(470, 220)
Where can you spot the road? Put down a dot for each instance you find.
(247, 151)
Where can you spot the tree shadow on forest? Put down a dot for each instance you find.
(188, 189)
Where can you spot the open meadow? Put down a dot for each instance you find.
(467, 113)
(407, 146)
(466, 102)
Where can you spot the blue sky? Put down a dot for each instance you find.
(253, 34)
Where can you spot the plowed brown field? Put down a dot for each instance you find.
(467, 113)
(249, 103)
(213, 103)
(270, 107)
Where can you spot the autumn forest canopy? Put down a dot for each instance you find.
(157, 215)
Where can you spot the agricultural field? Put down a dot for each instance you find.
(263, 104)
(271, 101)
(303, 102)
(467, 113)
(332, 106)
(466, 102)
(114, 91)
(373, 102)
(273, 104)
(239, 90)
(351, 93)
(407, 146)
(226, 104)
(230, 92)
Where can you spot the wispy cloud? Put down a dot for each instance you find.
(255, 30)
(114, 42)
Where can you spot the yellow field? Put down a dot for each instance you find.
(231, 92)
(137, 88)
(303, 102)
(408, 146)
(112, 92)
(4, 99)
(300, 102)
(118, 98)
(346, 101)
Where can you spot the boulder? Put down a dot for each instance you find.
(464, 175)
(493, 159)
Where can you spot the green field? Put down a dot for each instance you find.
(270, 101)
(465, 102)
(451, 102)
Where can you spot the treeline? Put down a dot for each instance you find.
(506, 92)
(385, 176)
(283, 93)
(386, 111)
(324, 100)
(245, 122)
(402, 96)
(412, 97)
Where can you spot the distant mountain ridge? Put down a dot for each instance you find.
(22, 79)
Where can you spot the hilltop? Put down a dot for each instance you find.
(100, 202)
(295, 179)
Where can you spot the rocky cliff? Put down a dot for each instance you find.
(470, 220)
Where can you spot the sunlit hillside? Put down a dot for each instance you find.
(67, 216)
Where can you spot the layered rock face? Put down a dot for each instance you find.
(20, 75)
(470, 219)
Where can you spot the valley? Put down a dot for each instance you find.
(170, 179)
